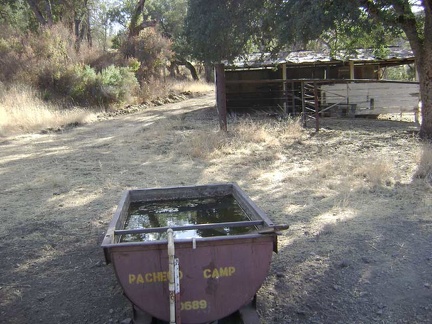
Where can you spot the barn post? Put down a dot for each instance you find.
(303, 103)
(293, 95)
(284, 87)
(221, 95)
(317, 125)
(352, 70)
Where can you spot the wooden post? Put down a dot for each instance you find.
(304, 117)
(284, 87)
(221, 96)
(352, 71)
(317, 125)
(293, 105)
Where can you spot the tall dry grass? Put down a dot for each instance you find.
(159, 88)
(191, 86)
(23, 111)
(247, 136)
(424, 170)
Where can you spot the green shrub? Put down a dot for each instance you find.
(83, 79)
(117, 84)
(87, 87)
(48, 61)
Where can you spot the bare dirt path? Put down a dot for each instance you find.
(359, 249)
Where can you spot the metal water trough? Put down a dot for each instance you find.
(216, 276)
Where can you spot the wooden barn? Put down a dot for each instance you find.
(303, 82)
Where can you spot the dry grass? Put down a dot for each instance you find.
(158, 88)
(424, 170)
(343, 174)
(247, 136)
(347, 193)
(375, 170)
(192, 86)
(22, 111)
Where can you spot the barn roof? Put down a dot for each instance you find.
(393, 55)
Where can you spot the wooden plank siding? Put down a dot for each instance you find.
(374, 97)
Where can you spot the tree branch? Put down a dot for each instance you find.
(48, 11)
(134, 28)
(402, 17)
(427, 5)
(39, 16)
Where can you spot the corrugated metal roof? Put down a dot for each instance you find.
(312, 57)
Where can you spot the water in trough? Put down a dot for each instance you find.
(172, 213)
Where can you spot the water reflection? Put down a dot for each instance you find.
(172, 213)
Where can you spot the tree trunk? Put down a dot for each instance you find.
(48, 10)
(192, 70)
(424, 68)
(425, 80)
(221, 96)
(172, 69)
(421, 45)
(209, 72)
(189, 66)
(40, 14)
(133, 26)
(89, 29)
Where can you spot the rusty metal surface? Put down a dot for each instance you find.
(217, 278)
(218, 275)
(182, 192)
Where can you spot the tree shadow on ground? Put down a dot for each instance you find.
(371, 267)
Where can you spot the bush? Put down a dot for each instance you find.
(117, 84)
(83, 80)
(112, 85)
(48, 61)
(12, 56)
(152, 51)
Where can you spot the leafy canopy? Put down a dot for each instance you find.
(225, 29)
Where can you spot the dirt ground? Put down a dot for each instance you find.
(359, 249)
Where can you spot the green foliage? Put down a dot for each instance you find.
(112, 85)
(49, 62)
(348, 35)
(83, 82)
(13, 14)
(133, 64)
(405, 73)
(225, 29)
(218, 30)
(118, 40)
(171, 15)
(117, 84)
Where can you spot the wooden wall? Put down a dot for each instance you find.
(375, 97)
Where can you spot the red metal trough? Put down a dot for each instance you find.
(218, 275)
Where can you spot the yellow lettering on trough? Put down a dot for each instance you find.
(218, 272)
(132, 278)
(150, 277)
(193, 305)
(140, 279)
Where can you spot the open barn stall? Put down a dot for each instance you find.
(308, 83)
